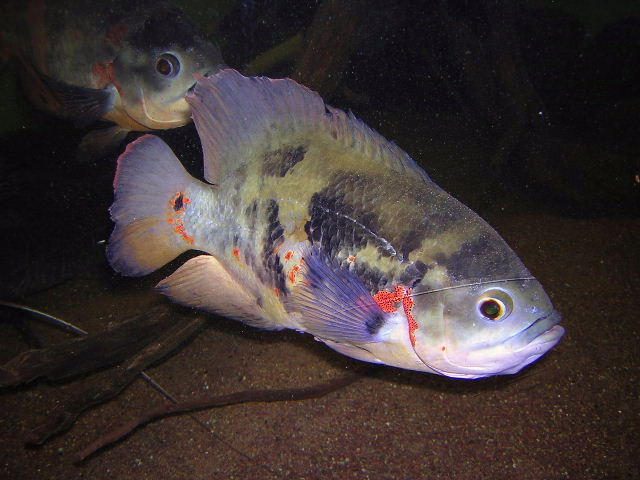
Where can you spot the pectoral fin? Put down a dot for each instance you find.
(334, 303)
(81, 104)
(100, 143)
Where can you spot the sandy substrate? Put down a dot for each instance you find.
(574, 414)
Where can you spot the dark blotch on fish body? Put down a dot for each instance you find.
(281, 161)
(374, 323)
(274, 237)
(413, 274)
(178, 203)
(460, 267)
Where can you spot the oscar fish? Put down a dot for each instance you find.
(310, 220)
(126, 63)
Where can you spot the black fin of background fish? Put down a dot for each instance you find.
(234, 114)
(334, 303)
(100, 142)
(147, 178)
(203, 282)
(80, 104)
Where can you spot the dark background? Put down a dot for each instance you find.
(528, 112)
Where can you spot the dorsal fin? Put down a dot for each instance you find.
(232, 113)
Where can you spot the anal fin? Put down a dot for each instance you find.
(204, 283)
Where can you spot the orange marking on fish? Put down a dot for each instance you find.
(236, 253)
(276, 291)
(352, 259)
(387, 302)
(275, 251)
(293, 272)
(288, 255)
(179, 227)
(104, 74)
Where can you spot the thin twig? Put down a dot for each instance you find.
(202, 402)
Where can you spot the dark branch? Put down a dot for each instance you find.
(117, 378)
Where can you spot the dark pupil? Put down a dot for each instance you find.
(490, 309)
(163, 66)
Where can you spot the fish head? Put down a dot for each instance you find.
(158, 66)
(485, 329)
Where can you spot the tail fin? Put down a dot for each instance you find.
(150, 185)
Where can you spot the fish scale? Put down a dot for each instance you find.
(313, 221)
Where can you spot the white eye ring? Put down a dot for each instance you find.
(168, 65)
(495, 305)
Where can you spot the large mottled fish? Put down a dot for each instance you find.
(313, 221)
(125, 62)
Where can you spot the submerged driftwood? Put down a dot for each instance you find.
(128, 347)
(88, 353)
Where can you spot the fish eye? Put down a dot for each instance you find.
(495, 305)
(168, 65)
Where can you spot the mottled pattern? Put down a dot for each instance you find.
(373, 278)
(356, 211)
(278, 162)
(341, 217)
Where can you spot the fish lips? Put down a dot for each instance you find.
(541, 335)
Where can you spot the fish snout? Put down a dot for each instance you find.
(543, 331)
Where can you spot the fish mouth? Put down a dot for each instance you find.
(544, 331)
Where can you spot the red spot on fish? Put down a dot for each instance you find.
(352, 259)
(288, 255)
(276, 291)
(387, 302)
(236, 253)
(443, 348)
